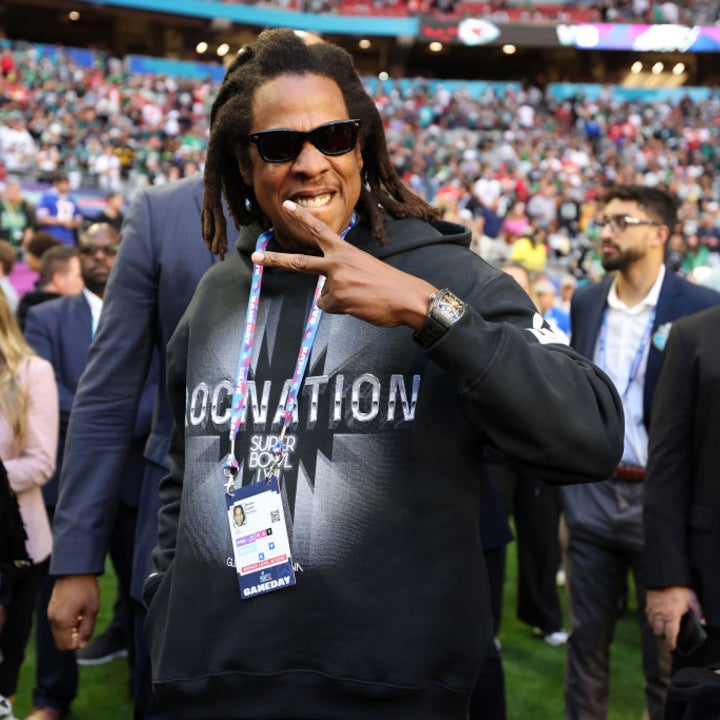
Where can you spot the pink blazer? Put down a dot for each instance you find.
(30, 466)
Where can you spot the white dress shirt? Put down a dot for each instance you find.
(626, 327)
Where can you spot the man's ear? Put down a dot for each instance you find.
(245, 173)
(663, 235)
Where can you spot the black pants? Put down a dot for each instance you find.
(18, 624)
(56, 680)
(536, 508)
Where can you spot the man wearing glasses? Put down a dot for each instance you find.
(621, 323)
(61, 331)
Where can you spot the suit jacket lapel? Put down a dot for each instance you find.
(81, 319)
(666, 311)
(593, 319)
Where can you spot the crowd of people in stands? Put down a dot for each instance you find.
(694, 12)
(518, 165)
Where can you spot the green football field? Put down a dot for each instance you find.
(533, 670)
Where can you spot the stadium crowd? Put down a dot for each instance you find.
(480, 155)
(694, 12)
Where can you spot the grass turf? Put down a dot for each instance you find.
(533, 670)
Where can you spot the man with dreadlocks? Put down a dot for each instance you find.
(355, 586)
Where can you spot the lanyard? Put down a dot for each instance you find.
(639, 354)
(239, 397)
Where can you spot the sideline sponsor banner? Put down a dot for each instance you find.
(640, 38)
(473, 31)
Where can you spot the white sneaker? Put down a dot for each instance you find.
(557, 638)
(6, 712)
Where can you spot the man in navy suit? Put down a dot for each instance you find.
(61, 331)
(161, 259)
(622, 324)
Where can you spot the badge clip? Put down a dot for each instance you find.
(231, 469)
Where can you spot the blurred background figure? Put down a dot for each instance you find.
(546, 296)
(61, 331)
(28, 444)
(60, 274)
(535, 507)
(568, 284)
(58, 212)
(7, 262)
(17, 215)
(681, 502)
(113, 212)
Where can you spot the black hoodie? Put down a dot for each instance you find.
(390, 616)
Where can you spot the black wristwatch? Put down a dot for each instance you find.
(444, 309)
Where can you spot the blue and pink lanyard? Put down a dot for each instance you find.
(239, 397)
(639, 354)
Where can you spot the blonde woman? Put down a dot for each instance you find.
(29, 419)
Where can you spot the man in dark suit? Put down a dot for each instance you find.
(682, 488)
(61, 331)
(622, 324)
(161, 259)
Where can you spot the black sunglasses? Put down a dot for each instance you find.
(93, 249)
(620, 223)
(333, 138)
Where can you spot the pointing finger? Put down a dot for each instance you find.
(318, 231)
(289, 261)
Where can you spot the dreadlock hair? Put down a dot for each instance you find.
(282, 52)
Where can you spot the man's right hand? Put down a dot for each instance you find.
(72, 610)
(665, 607)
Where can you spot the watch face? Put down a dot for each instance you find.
(450, 307)
(447, 308)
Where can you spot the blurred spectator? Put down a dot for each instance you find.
(516, 221)
(568, 284)
(535, 507)
(17, 147)
(530, 250)
(492, 250)
(709, 233)
(61, 331)
(60, 274)
(112, 213)
(7, 261)
(546, 294)
(17, 215)
(106, 168)
(47, 160)
(7, 62)
(57, 211)
(542, 206)
(675, 255)
(28, 443)
(568, 213)
(40, 242)
(696, 255)
(488, 190)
